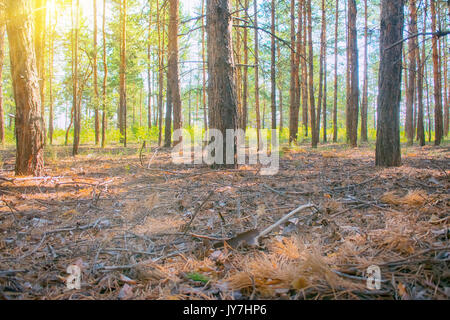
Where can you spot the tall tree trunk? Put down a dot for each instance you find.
(95, 72)
(412, 43)
(256, 53)
(353, 97)
(205, 112)
(421, 67)
(336, 26)
(160, 70)
(105, 77)
(325, 97)
(39, 13)
(321, 68)
(76, 105)
(293, 112)
(2, 55)
(173, 78)
(438, 123)
(312, 113)
(29, 122)
(365, 98)
(389, 87)
(273, 93)
(304, 63)
(244, 116)
(50, 76)
(221, 85)
(149, 74)
(122, 75)
(280, 86)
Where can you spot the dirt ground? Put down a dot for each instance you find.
(140, 227)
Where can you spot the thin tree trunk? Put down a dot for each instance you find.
(2, 55)
(409, 125)
(353, 98)
(364, 104)
(304, 63)
(438, 126)
(421, 66)
(105, 77)
(50, 78)
(173, 79)
(160, 70)
(39, 12)
(312, 113)
(244, 117)
(149, 74)
(273, 93)
(389, 88)
(256, 53)
(293, 115)
(321, 68)
(336, 29)
(96, 98)
(76, 105)
(122, 75)
(205, 113)
(29, 122)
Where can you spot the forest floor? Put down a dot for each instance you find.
(140, 227)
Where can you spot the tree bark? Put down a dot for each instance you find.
(293, 111)
(389, 86)
(256, 53)
(304, 64)
(29, 121)
(105, 77)
(149, 74)
(353, 97)
(122, 75)
(205, 112)
(421, 67)
(364, 104)
(312, 113)
(336, 26)
(96, 97)
(438, 123)
(39, 13)
(76, 106)
(222, 99)
(2, 55)
(273, 93)
(173, 78)
(412, 44)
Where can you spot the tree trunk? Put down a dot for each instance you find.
(76, 106)
(205, 112)
(149, 74)
(336, 26)
(105, 77)
(39, 13)
(273, 93)
(364, 104)
(50, 76)
(304, 63)
(122, 75)
(96, 98)
(256, 53)
(412, 43)
(173, 79)
(244, 116)
(29, 121)
(421, 66)
(2, 55)
(293, 111)
(389, 86)
(160, 71)
(353, 97)
(438, 123)
(221, 85)
(321, 68)
(312, 113)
